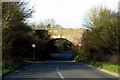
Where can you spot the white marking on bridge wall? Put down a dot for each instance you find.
(59, 73)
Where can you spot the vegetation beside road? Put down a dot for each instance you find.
(105, 65)
(100, 41)
(12, 67)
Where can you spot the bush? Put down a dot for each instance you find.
(80, 56)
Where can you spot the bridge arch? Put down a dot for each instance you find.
(59, 43)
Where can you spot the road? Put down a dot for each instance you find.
(61, 70)
(66, 55)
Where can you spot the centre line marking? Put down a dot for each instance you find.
(59, 73)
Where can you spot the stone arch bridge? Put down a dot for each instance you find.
(73, 35)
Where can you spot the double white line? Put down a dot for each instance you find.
(59, 73)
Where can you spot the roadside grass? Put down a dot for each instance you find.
(105, 65)
(10, 68)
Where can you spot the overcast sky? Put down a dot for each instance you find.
(68, 13)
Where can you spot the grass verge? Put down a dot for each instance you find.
(105, 65)
(10, 68)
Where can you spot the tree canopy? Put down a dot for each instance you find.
(102, 33)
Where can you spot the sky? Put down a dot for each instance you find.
(67, 13)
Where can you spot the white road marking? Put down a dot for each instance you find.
(59, 73)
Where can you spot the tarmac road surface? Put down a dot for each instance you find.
(58, 70)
